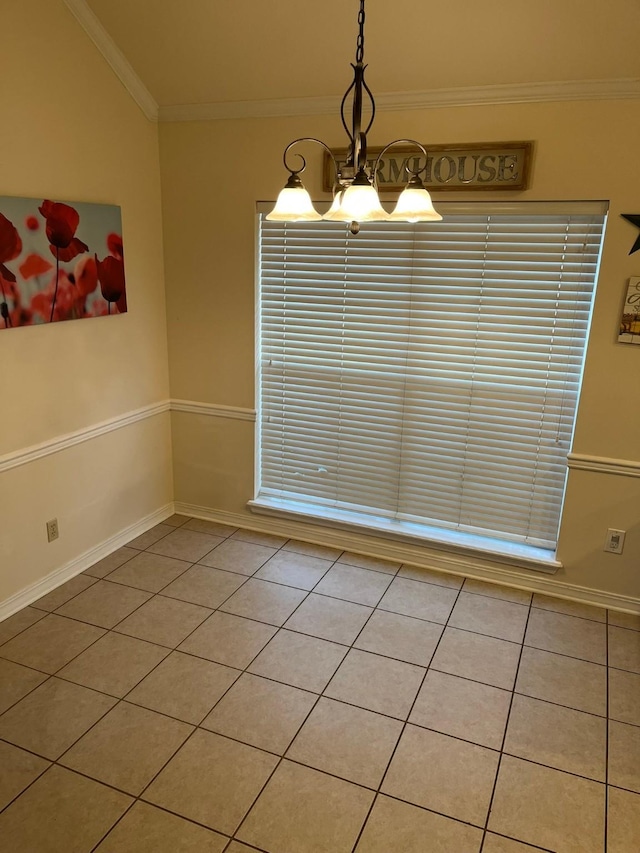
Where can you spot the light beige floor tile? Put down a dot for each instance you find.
(177, 520)
(480, 658)
(64, 592)
(307, 811)
(462, 708)
(624, 696)
(491, 616)
(261, 712)
(186, 545)
(19, 769)
(624, 649)
(165, 621)
(112, 561)
(146, 829)
(214, 528)
(396, 826)
(625, 620)
(376, 683)
(374, 563)
(329, 618)
(104, 604)
(298, 660)
(16, 681)
(350, 583)
(496, 590)
(51, 643)
(228, 639)
(212, 780)
(566, 635)
(150, 537)
(236, 847)
(298, 570)
(264, 601)
(401, 637)
(184, 687)
(233, 555)
(312, 550)
(150, 572)
(566, 681)
(61, 812)
(569, 608)
(127, 748)
(270, 540)
(345, 741)
(417, 573)
(443, 774)
(115, 664)
(500, 844)
(557, 737)
(205, 586)
(624, 756)
(421, 600)
(548, 808)
(623, 825)
(20, 621)
(53, 717)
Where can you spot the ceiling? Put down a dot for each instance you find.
(221, 51)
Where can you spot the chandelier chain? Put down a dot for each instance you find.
(360, 45)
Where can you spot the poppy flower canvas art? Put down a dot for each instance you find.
(59, 261)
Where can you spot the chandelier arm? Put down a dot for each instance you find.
(373, 105)
(413, 172)
(304, 162)
(344, 99)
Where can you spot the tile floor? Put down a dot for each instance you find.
(208, 689)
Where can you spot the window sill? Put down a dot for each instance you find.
(511, 553)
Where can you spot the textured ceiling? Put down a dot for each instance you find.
(209, 51)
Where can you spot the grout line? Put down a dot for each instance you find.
(504, 736)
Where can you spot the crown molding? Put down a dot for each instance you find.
(114, 56)
(512, 93)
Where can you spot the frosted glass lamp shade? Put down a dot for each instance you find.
(358, 203)
(294, 204)
(414, 205)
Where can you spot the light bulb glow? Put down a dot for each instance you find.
(294, 205)
(414, 205)
(357, 204)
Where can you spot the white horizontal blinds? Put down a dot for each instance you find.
(427, 372)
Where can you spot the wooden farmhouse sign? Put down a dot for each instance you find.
(480, 166)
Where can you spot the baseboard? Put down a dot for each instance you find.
(454, 564)
(79, 564)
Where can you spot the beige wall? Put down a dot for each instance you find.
(214, 172)
(70, 131)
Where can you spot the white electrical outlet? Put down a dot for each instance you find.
(52, 530)
(614, 543)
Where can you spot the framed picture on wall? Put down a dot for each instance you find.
(59, 261)
(630, 321)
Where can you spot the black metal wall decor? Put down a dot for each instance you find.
(634, 219)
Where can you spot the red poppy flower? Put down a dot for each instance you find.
(111, 278)
(10, 242)
(62, 222)
(86, 276)
(114, 244)
(32, 223)
(34, 265)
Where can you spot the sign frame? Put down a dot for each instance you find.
(496, 166)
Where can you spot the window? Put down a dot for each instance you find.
(423, 379)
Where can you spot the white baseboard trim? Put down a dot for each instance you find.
(603, 465)
(79, 564)
(455, 564)
(63, 442)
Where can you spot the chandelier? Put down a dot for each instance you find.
(355, 189)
